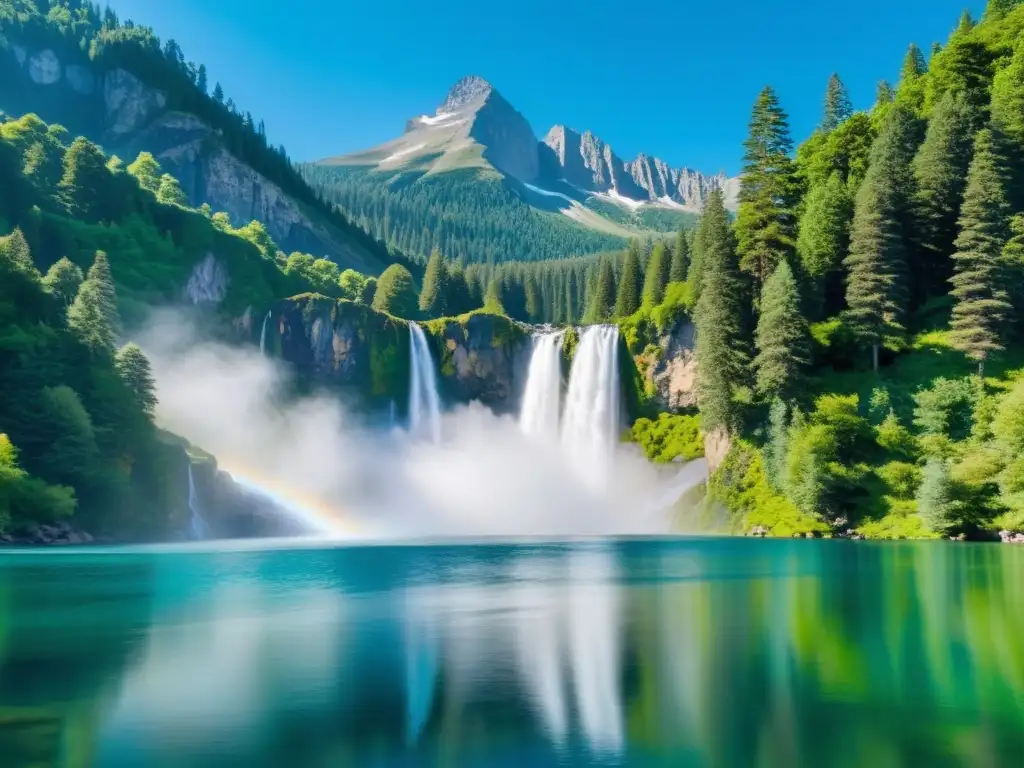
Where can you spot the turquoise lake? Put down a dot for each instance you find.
(685, 652)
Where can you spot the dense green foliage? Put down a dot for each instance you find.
(916, 208)
(669, 437)
(396, 293)
(76, 431)
(470, 216)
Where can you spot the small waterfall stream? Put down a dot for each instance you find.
(263, 335)
(197, 525)
(541, 399)
(424, 401)
(591, 420)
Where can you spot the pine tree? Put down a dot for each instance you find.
(910, 92)
(765, 225)
(14, 250)
(82, 187)
(63, 280)
(134, 370)
(218, 94)
(884, 93)
(602, 297)
(93, 314)
(433, 295)
(680, 258)
(876, 289)
(201, 82)
(783, 337)
(823, 242)
(935, 502)
(721, 357)
(837, 104)
(627, 300)
(982, 311)
(170, 192)
(147, 171)
(656, 277)
(695, 273)
(940, 172)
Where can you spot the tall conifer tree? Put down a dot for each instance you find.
(680, 258)
(940, 173)
(981, 314)
(93, 315)
(627, 300)
(765, 224)
(876, 287)
(837, 104)
(823, 242)
(656, 277)
(434, 293)
(783, 337)
(602, 297)
(719, 321)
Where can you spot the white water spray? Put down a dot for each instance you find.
(263, 335)
(424, 402)
(197, 525)
(590, 424)
(541, 399)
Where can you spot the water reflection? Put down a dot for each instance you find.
(714, 652)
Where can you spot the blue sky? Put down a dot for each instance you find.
(670, 78)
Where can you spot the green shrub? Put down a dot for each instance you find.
(669, 437)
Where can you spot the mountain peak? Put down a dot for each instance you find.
(466, 91)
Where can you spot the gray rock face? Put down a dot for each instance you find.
(674, 372)
(590, 164)
(44, 67)
(130, 104)
(208, 283)
(467, 91)
(80, 79)
(481, 361)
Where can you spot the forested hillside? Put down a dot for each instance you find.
(858, 328)
(470, 218)
(56, 58)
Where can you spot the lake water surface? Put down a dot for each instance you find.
(697, 652)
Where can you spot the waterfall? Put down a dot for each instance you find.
(263, 335)
(591, 421)
(197, 526)
(424, 403)
(539, 414)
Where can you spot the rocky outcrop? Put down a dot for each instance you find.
(483, 358)
(338, 343)
(44, 67)
(130, 104)
(208, 283)
(717, 444)
(586, 162)
(672, 374)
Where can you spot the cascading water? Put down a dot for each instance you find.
(424, 402)
(591, 421)
(539, 413)
(263, 335)
(197, 526)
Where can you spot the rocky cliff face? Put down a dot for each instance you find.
(672, 375)
(338, 343)
(130, 116)
(587, 162)
(485, 358)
